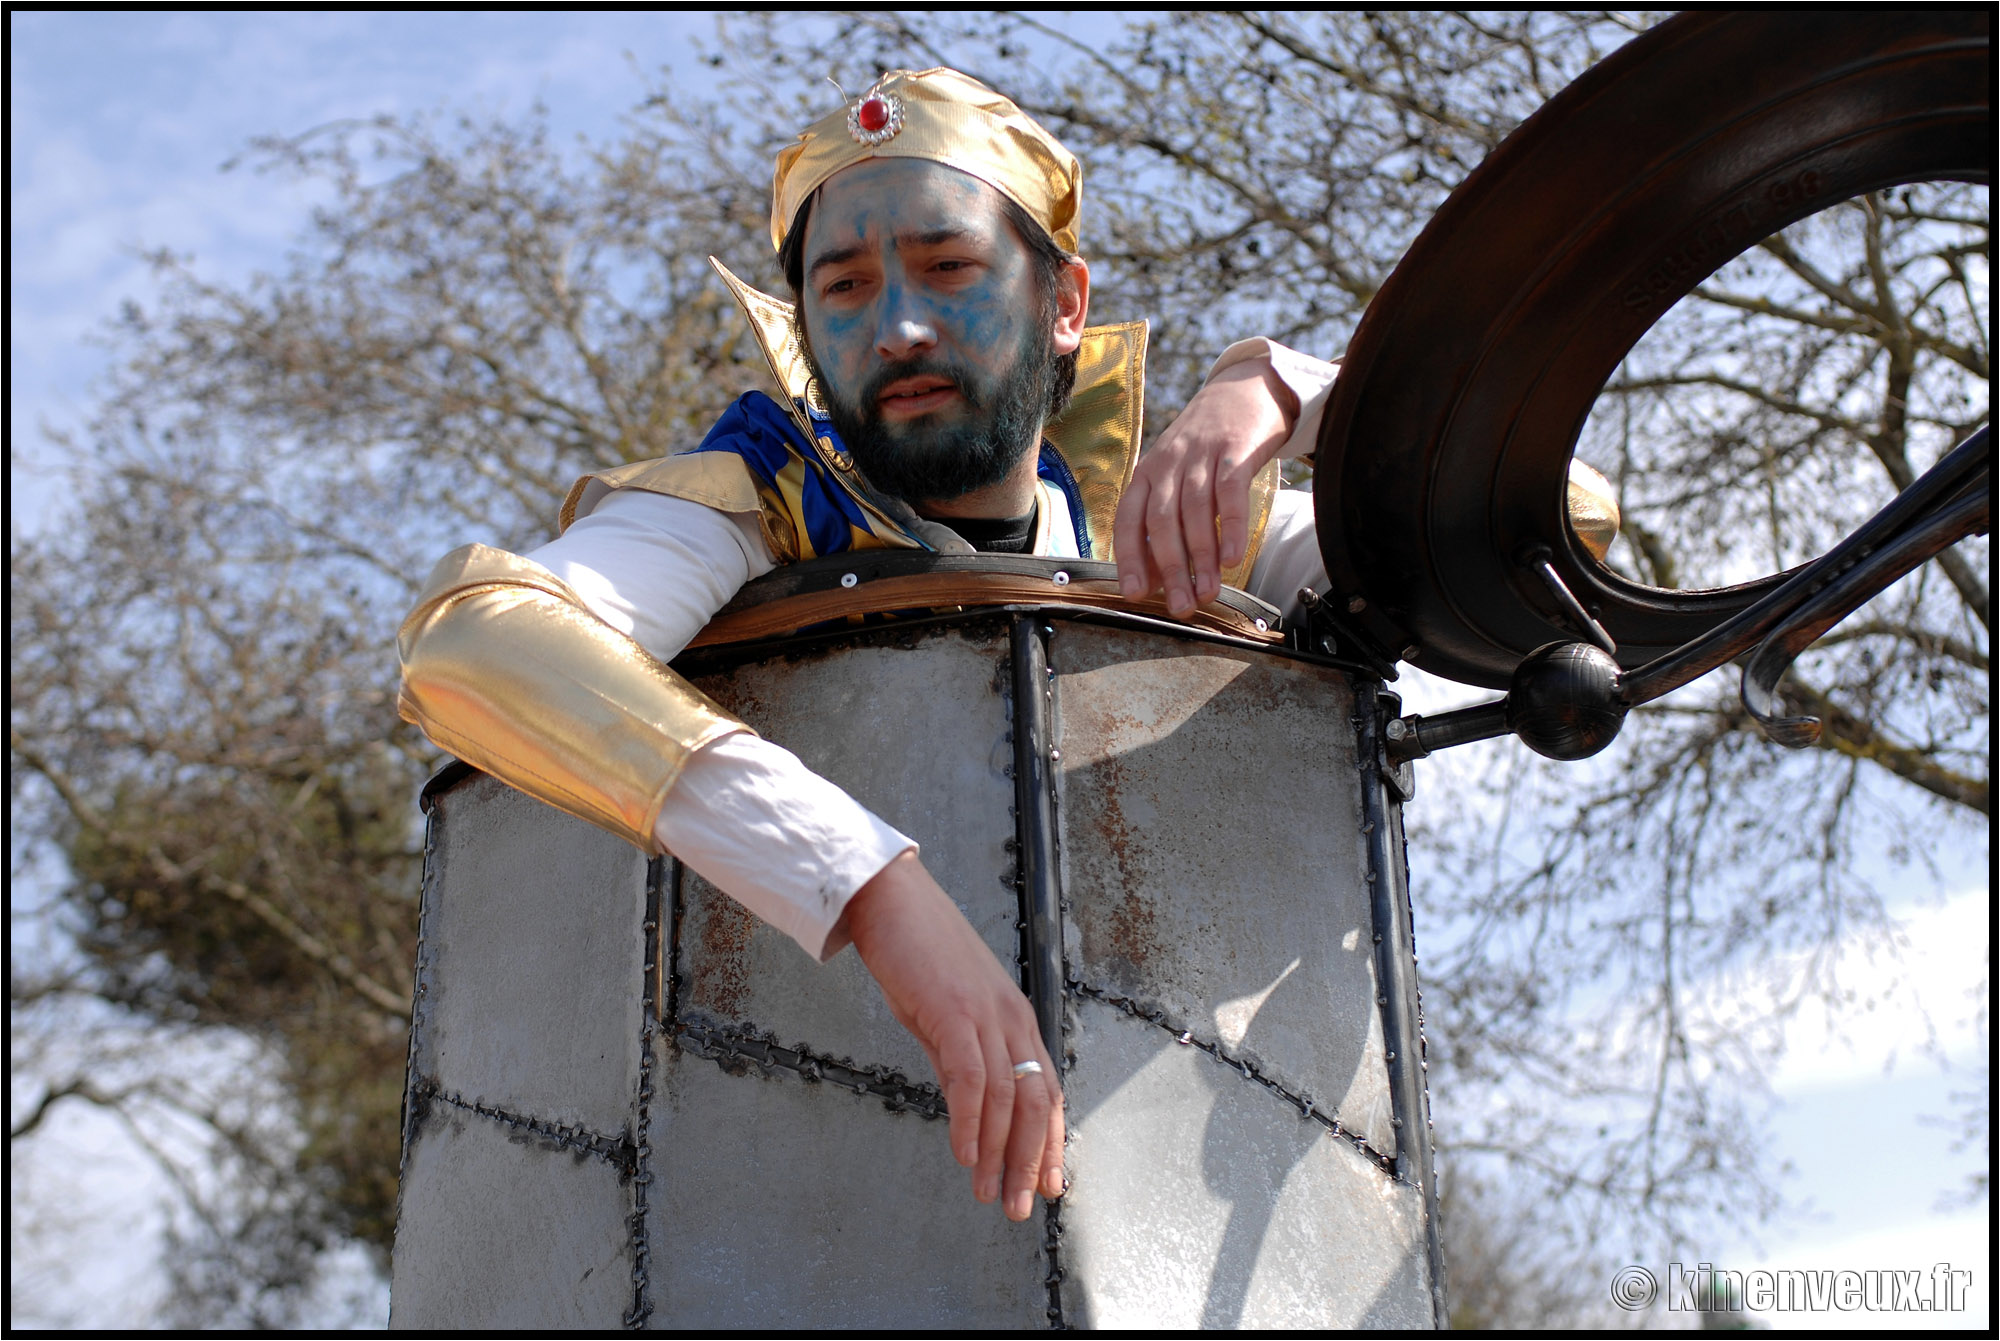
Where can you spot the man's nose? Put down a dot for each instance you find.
(906, 326)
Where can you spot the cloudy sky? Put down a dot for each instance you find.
(119, 126)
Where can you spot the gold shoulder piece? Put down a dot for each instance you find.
(1098, 434)
(1593, 509)
(718, 480)
(504, 666)
(1264, 486)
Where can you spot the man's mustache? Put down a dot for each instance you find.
(871, 393)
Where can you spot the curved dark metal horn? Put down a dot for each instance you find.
(1442, 460)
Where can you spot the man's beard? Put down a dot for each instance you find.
(934, 458)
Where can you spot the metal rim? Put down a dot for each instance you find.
(1447, 439)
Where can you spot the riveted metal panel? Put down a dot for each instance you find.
(1213, 858)
(532, 959)
(502, 1227)
(916, 729)
(755, 1142)
(515, 1202)
(1204, 1200)
(783, 1203)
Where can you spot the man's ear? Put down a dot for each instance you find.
(1072, 305)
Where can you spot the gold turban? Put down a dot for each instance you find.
(948, 118)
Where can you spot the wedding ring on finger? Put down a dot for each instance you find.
(1027, 1069)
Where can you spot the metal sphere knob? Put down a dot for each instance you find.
(1564, 700)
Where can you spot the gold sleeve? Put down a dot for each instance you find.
(504, 666)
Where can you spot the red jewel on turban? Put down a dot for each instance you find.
(876, 118)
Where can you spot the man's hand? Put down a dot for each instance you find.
(1198, 472)
(947, 989)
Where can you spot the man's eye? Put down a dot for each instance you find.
(839, 286)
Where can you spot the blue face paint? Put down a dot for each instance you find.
(927, 327)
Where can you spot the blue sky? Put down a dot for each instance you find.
(119, 125)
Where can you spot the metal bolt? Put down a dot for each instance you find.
(1061, 578)
(848, 579)
(1381, 1000)
(1396, 729)
(1356, 604)
(1263, 626)
(1327, 644)
(1411, 652)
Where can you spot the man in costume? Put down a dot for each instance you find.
(944, 393)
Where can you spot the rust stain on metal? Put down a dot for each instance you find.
(722, 965)
(1130, 929)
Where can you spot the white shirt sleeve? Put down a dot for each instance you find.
(1310, 379)
(746, 815)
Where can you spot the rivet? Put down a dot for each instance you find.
(1263, 626)
(1411, 652)
(1381, 1000)
(1061, 578)
(848, 579)
(1356, 604)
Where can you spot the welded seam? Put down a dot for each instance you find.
(1309, 1109)
(729, 1047)
(1052, 1232)
(662, 877)
(1042, 906)
(420, 1014)
(619, 1153)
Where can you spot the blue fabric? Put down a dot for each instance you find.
(763, 433)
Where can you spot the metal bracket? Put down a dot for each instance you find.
(1322, 629)
(1538, 560)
